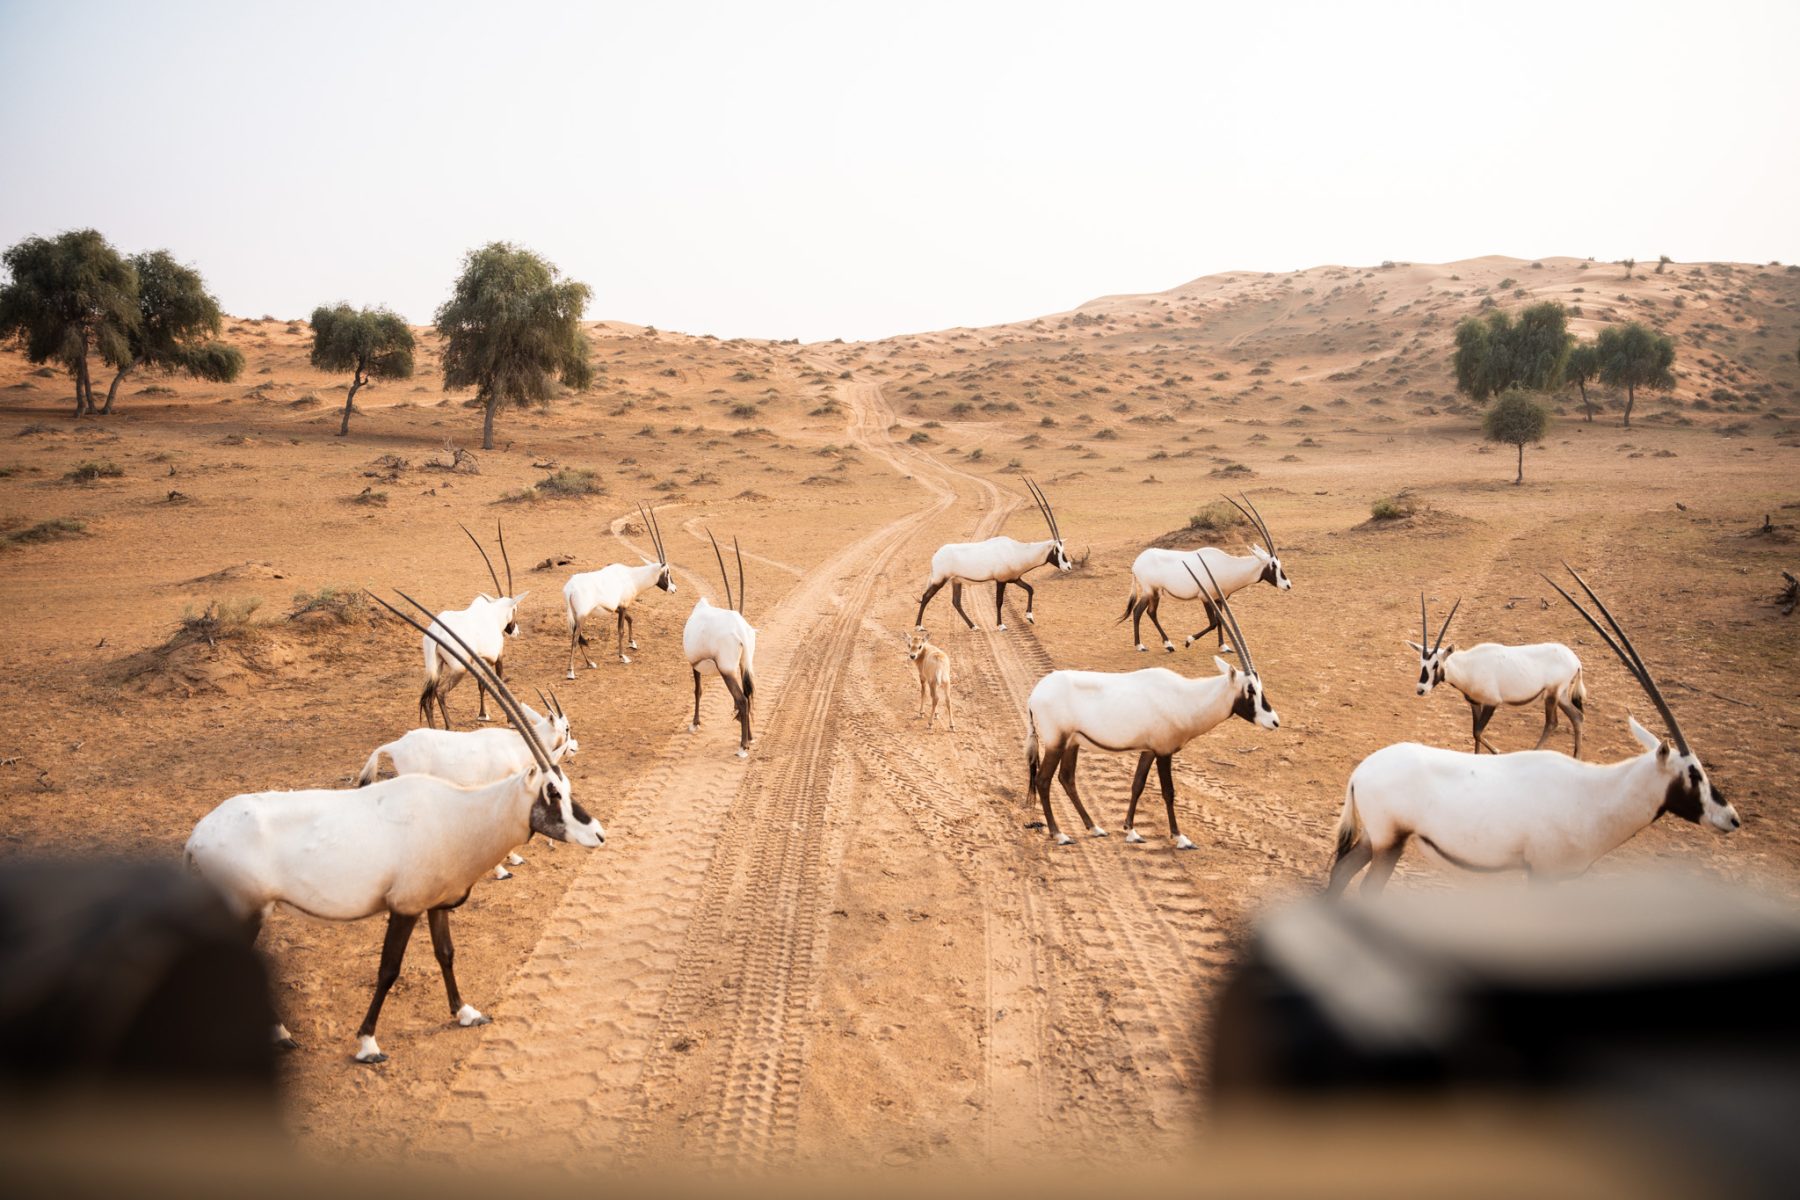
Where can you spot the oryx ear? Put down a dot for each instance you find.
(520, 598)
(648, 562)
(1417, 647)
(1225, 668)
(484, 596)
(1259, 551)
(1645, 738)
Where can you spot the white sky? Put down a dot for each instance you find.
(824, 170)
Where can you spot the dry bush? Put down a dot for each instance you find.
(88, 472)
(57, 529)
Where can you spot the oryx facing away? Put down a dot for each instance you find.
(719, 641)
(1491, 675)
(1157, 573)
(934, 675)
(613, 588)
(485, 625)
(410, 846)
(1536, 811)
(1154, 712)
(1001, 560)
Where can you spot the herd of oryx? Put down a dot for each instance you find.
(461, 803)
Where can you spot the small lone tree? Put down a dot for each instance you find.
(1517, 419)
(1634, 356)
(1582, 367)
(1628, 264)
(370, 343)
(69, 295)
(511, 323)
(1662, 263)
(177, 329)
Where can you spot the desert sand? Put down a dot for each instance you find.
(849, 948)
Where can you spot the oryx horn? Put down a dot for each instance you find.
(1224, 607)
(492, 574)
(729, 602)
(1628, 655)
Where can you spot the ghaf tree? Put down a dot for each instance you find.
(370, 343)
(510, 325)
(177, 327)
(1633, 356)
(1518, 420)
(68, 296)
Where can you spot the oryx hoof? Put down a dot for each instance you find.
(1030, 620)
(502, 873)
(285, 1040)
(742, 753)
(1063, 839)
(694, 728)
(571, 674)
(1143, 649)
(1185, 643)
(369, 1052)
(469, 1015)
(632, 645)
(1096, 831)
(1225, 648)
(592, 666)
(625, 658)
(1182, 843)
(513, 860)
(1001, 628)
(1133, 836)
(1169, 646)
(484, 718)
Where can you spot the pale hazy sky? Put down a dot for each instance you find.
(823, 170)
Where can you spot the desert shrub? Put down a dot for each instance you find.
(1215, 517)
(918, 436)
(56, 529)
(1231, 469)
(220, 621)
(87, 472)
(1393, 508)
(342, 604)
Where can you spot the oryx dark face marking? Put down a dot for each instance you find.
(666, 580)
(512, 629)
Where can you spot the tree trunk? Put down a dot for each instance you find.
(84, 391)
(1630, 399)
(1582, 384)
(487, 422)
(356, 381)
(113, 390)
(1520, 477)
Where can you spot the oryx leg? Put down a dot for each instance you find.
(439, 921)
(696, 724)
(1383, 866)
(1030, 599)
(1574, 714)
(1138, 778)
(1348, 863)
(393, 949)
(743, 711)
(1150, 609)
(630, 629)
(1066, 776)
(1549, 720)
(1165, 775)
(576, 641)
(956, 603)
(445, 684)
(1482, 714)
(948, 715)
(922, 691)
(931, 591)
(1213, 621)
(481, 713)
(1136, 612)
(1040, 785)
(253, 929)
(999, 597)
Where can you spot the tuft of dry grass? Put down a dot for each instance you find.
(57, 529)
(88, 472)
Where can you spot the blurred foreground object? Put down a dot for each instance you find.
(121, 972)
(1661, 1008)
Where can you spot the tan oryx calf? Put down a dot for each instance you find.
(934, 675)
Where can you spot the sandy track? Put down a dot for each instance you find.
(669, 1011)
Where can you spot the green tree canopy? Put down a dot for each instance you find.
(1583, 368)
(1518, 419)
(67, 296)
(512, 323)
(1633, 356)
(177, 328)
(370, 343)
(1499, 351)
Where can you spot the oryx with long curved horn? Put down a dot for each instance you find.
(486, 624)
(1536, 811)
(1157, 573)
(719, 641)
(1000, 560)
(410, 846)
(1490, 675)
(613, 588)
(1154, 712)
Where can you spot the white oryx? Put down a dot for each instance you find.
(473, 757)
(485, 625)
(934, 675)
(613, 588)
(1157, 573)
(1490, 675)
(1154, 712)
(719, 641)
(1001, 560)
(1535, 811)
(410, 846)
